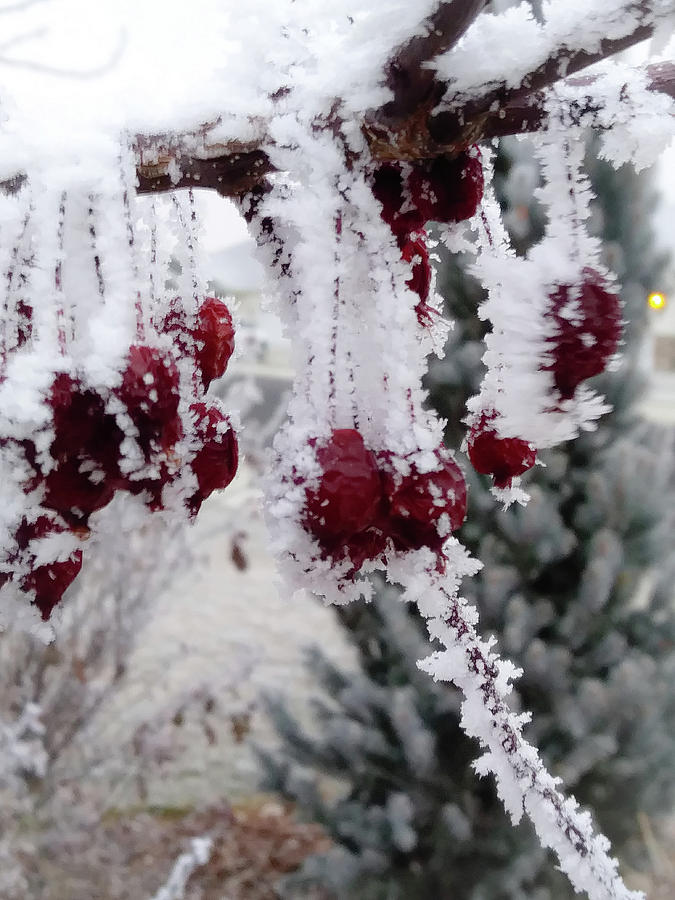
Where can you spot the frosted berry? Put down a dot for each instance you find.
(215, 463)
(85, 450)
(425, 507)
(390, 188)
(210, 342)
(150, 392)
(70, 489)
(214, 339)
(503, 458)
(447, 189)
(588, 324)
(348, 497)
(82, 427)
(48, 582)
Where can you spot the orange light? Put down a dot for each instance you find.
(656, 300)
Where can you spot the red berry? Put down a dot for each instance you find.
(447, 189)
(85, 450)
(349, 494)
(49, 581)
(365, 545)
(588, 322)
(390, 189)
(72, 491)
(214, 337)
(210, 342)
(152, 487)
(216, 460)
(150, 391)
(419, 501)
(82, 428)
(503, 458)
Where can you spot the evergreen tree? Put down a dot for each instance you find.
(577, 587)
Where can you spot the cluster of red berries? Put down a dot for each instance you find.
(439, 190)
(362, 504)
(588, 328)
(87, 463)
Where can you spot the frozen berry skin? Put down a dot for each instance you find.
(588, 326)
(349, 494)
(448, 189)
(215, 463)
(210, 342)
(503, 458)
(390, 187)
(150, 392)
(418, 501)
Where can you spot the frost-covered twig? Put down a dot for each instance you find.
(523, 783)
(198, 855)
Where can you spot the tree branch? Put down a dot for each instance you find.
(457, 125)
(527, 114)
(415, 87)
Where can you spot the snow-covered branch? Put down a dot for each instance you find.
(523, 783)
(413, 84)
(586, 102)
(565, 44)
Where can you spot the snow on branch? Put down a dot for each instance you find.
(413, 83)
(515, 56)
(588, 103)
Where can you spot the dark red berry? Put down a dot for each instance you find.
(349, 493)
(447, 189)
(82, 427)
(503, 458)
(588, 329)
(150, 392)
(365, 545)
(50, 582)
(210, 342)
(425, 507)
(215, 463)
(75, 490)
(390, 188)
(150, 486)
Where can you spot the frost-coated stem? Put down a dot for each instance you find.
(523, 783)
